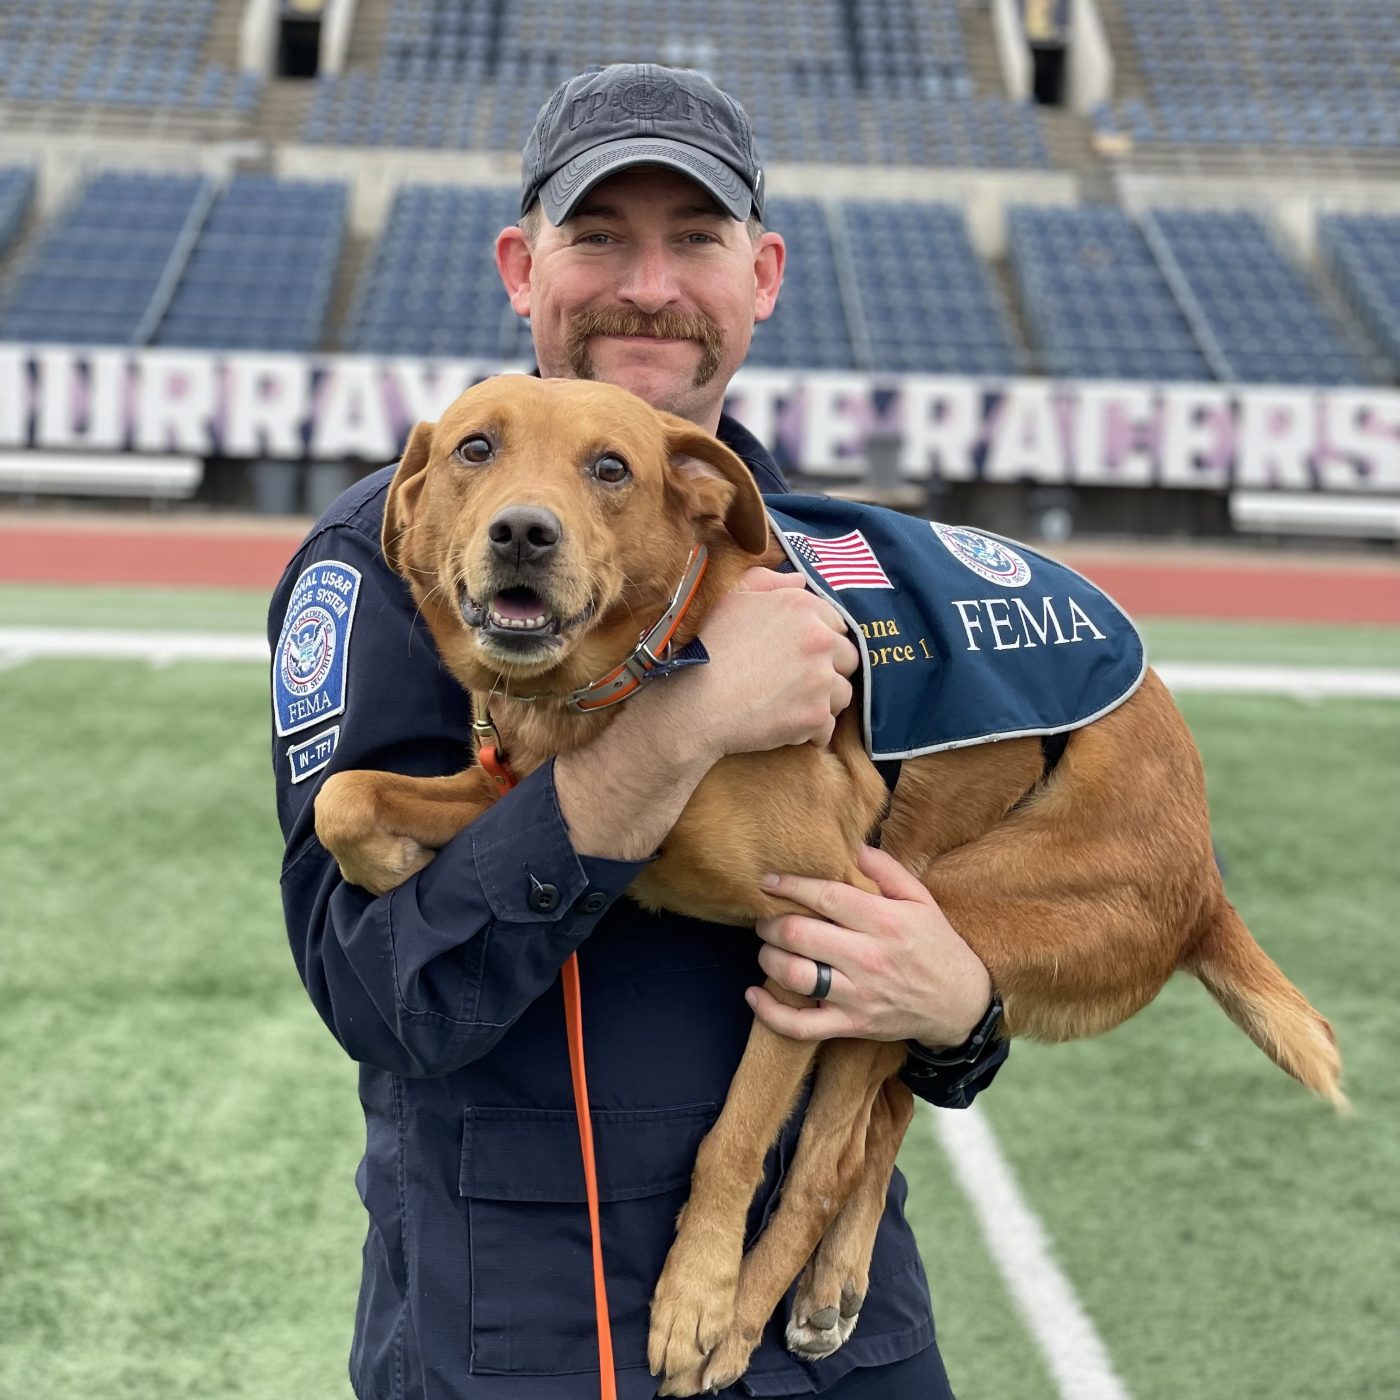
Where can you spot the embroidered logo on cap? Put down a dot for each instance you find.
(988, 558)
(308, 668)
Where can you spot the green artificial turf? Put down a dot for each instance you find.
(178, 1215)
(1230, 1236)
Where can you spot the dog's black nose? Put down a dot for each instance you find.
(524, 534)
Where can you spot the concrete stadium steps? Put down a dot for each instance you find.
(982, 61)
(282, 111)
(1128, 78)
(355, 257)
(221, 47)
(368, 35)
(1011, 299)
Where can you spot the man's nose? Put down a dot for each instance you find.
(650, 283)
(524, 534)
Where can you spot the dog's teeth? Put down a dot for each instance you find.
(521, 624)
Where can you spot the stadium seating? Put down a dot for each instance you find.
(431, 287)
(138, 56)
(16, 194)
(261, 271)
(1266, 322)
(95, 271)
(1362, 252)
(168, 260)
(928, 303)
(809, 326)
(881, 82)
(1271, 73)
(1095, 301)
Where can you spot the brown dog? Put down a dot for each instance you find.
(1082, 892)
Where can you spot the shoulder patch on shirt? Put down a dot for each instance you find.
(308, 667)
(946, 660)
(313, 754)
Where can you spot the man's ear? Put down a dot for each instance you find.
(402, 500)
(715, 483)
(514, 258)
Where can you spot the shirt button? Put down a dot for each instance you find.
(543, 898)
(593, 903)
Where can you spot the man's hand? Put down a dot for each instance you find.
(780, 660)
(777, 675)
(899, 970)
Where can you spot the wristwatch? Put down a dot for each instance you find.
(926, 1063)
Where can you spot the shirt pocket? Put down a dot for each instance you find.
(531, 1254)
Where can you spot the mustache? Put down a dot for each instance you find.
(665, 325)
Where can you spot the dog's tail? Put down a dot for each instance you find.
(1265, 1005)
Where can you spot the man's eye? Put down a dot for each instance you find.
(476, 449)
(611, 470)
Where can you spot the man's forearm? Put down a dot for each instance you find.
(621, 794)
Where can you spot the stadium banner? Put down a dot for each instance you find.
(284, 407)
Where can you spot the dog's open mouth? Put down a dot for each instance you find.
(518, 614)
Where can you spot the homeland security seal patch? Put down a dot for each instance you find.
(308, 669)
(989, 558)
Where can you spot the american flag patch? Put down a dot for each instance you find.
(844, 562)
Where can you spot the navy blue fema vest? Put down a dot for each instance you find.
(965, 637)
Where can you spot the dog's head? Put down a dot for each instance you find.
(544, 523)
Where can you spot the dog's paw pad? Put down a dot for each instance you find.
(813, 1343)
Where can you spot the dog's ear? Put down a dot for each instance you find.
(402, 499)
(715, 483)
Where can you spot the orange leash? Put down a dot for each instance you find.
(491, 759)
(573, 1023)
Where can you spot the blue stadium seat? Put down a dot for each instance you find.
(261, 271)
(1095, 302)
(96, 268)
(1268, 322)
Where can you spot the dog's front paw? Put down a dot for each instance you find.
(730, 1359)
(691, 1313)
(352, 826)
(383, 863)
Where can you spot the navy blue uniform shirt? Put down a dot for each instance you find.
(477, 1280)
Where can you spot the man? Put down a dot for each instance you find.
(640, 260)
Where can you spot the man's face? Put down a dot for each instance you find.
(650, 285)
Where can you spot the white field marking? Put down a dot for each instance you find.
(1300, 682)
(158, 648)
(19, 644)
(1074, 1352)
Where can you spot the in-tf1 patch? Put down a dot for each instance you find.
(308, 668)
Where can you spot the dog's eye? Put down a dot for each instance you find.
(475, 449)
(611, 470)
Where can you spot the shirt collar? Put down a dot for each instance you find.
(754, 455)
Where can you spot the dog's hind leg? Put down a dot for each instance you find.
(693, 1306)
(826, 1170)
(835, 1282)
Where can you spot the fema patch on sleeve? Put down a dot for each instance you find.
(308, 667)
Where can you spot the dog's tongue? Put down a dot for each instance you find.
(517, 603)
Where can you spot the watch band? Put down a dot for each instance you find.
(929, 1062)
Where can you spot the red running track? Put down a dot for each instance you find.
(1147, 581)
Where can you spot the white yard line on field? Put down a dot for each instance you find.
(103, 644)
(19, 644)
(1074, 1352)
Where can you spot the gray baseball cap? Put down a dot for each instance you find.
(629, 114)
